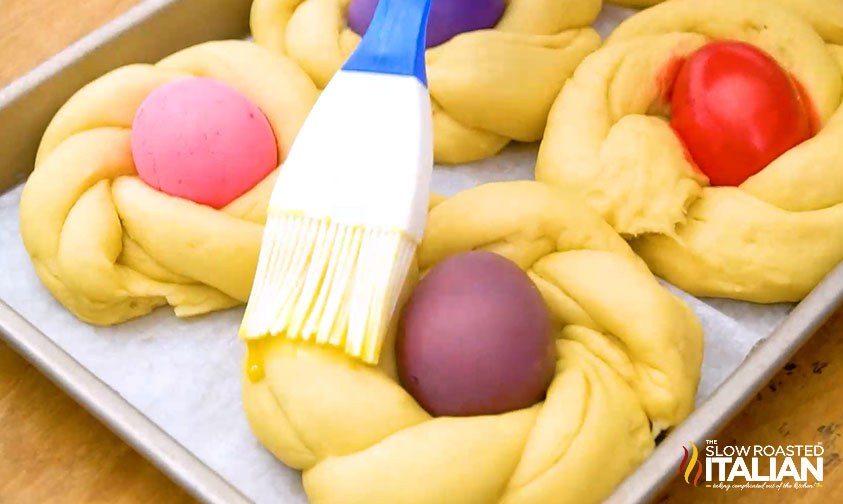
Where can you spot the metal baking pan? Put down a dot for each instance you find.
(156, 28)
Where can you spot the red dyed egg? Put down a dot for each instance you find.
(476, 338)
(737, 110)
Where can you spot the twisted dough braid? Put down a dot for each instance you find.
(488, 86)
(111, 248)
(629, 356)
(771, 239)
(826, 16)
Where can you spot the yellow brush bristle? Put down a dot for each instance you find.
(328, 283)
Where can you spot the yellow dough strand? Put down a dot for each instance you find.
(106, 244)
(325, 283)
(608, 139)
(519, 65)
(628, 363)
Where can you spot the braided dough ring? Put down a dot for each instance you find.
(771, 239)
(488, 87)
(628, 366)
(105, 243)
(826, 16)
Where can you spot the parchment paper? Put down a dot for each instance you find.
(185, 374)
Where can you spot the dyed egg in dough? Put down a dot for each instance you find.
(476, 338)
(448, 18)
(737, 110)
(202, 140)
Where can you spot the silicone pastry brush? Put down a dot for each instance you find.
(349, 207)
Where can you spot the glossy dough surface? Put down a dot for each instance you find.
(772, 238)
(628, 367)
(111, 248)
(488, 86)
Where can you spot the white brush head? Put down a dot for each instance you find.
(363, 156)
(346, 215)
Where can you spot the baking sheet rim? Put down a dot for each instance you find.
(103, 402)
(640, 486)
(762, 363)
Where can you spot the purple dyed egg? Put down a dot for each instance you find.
(476, 338)
(448, 18)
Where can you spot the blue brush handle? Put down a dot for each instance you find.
(394, 43)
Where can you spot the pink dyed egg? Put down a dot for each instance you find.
(202, 140)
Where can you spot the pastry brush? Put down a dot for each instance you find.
(349, 206)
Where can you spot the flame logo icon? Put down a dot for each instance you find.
(689, 463)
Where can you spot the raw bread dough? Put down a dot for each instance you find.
(629, 363)
(111, 248)
(826, 16)
(770, 240)
(488, 87)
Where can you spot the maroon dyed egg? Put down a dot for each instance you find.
(476, 338)
(448, 18)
